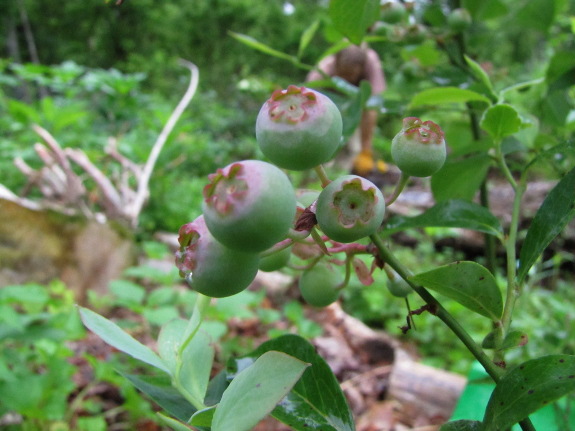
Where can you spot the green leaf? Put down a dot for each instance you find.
(197, 359)
(468, 283)
(460, 179)
(353, 17)
(450, 213)
(500, 121)
(169, 341)
(159, 389)
(485, 9)
(528, 387)
(481, 76)
(172, 423)
(560, 73)
(307, 36)
(446, 95)
(255, 391)
(462, 425)
(316, 402)
(262, 47)
(520, 86)
(513, 339)
(127, 292)
(204, 417)
(555, 212)
(116, 337)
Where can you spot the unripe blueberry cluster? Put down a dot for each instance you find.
(251, 219)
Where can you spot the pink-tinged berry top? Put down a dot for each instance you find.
(292, 105)
(226, 189)
(424, 132)
(354, 203)
(189, 236)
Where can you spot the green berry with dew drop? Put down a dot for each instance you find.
(419, 149)
(208, 266)
(275, 261)
(319, 285)
(350, 208)
(299, 128)
(249, 205)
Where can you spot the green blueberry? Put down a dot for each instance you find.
(275, 261)
(393, 12)
(249, 205)
(419, 148)
(350, 208)
(459, 20)
(298, 128)
(319, 285)
(209, 267)
(398, 287)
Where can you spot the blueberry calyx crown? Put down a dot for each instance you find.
(225, 190)
(424, 132)
(291, 105)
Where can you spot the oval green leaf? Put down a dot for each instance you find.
(160, 389)
(316, 402)
(481, 76)
(116, 337)
(352, 17)
(450, 213)
(460, 179)
(307, 36)
(500, 121)
(255, 391)
(555, 212)
(204, 417)
(195, 361)
(446, 95)
(528, 387)
(262, 47)
(468, 283)
(172, 423)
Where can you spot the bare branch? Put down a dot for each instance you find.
(110, 198)
(133, 210)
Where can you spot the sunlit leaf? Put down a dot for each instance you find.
(116, 337)
(255, 391)
(446, 95)
(316, 401)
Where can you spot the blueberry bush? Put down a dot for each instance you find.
(250, 214)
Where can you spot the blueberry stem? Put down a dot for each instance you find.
(320, 171)
(398, 189)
